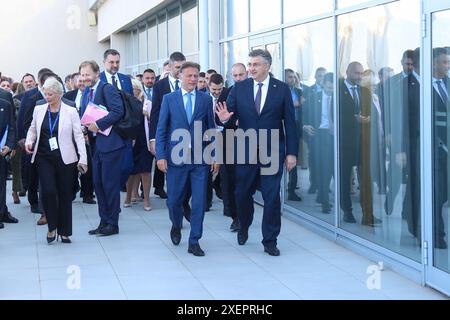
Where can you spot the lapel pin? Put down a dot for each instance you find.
(2, 109)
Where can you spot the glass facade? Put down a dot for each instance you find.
(354, 68)
(150, 43)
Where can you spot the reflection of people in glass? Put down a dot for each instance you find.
(319, 76)
(318, 125)
(441, 104)
(297, 98)
(377, 151)
(392, 102)
(409, 157)
(355, 109)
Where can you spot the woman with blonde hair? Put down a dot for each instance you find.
(142, 159)
(56, 141)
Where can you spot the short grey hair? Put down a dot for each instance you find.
(263, 54)
(54, 85)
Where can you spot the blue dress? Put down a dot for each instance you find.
(142, 158)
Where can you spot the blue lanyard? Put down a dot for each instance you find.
(50, 125)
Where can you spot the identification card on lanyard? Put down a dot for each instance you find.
(53, 143)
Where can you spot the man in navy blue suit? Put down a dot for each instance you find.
(167, 85)
(262, 103)
(183, 110)
(111, 74)
(108, 151)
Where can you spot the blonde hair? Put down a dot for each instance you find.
(137, 85)
(54, 85)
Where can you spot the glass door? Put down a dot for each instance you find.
(270, 42)
(437, 138)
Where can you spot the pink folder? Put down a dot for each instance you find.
(94, 113)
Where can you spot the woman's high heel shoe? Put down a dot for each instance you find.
(51, 239)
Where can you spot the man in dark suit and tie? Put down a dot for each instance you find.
(262, 103)
(297, 98)
(108, 151)
(111, 74)
(183, 110)
(167, 85)
(319, 126)
(8, 143)
(87, 182)
(355, 110)
(441, 107)
(148, 82)
(228, 171)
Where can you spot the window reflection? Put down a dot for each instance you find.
(264, 13)
(234, 52)
(235, 17)
(379, 114)
(295, 9)
(441, 119)
(308, 59)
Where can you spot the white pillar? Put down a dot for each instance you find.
(203, 28)
(214, 34)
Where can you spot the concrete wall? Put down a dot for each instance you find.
(46, 33)
(115, 14)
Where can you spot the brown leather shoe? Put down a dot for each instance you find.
(42, 221)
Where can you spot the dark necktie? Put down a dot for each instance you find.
(356, 100)
(177, 85)
(442, 92)
(114, 82)
(258, 99)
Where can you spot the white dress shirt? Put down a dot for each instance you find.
(185, 99)
(78, 99)
(350, 89)
(264, 90)
(109, 79)
(443, 86)
(172, 82)
(325, 118)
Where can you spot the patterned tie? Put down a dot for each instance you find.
(189, 107)
(258, 99)
(177, 85)
(442, 92)
(114, 81)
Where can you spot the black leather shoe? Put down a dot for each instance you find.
(294, 197)
(8, 218)
(175, 236)
(441, 244)
(196, 250)
(89, 201)
(326, 209)
(272, 251)
(35, 209)
(96, 231)
(108, 230)
(349, 218)
(312, 190)
(235, 226)
(1, 225)
(242, 237)
(161, 193)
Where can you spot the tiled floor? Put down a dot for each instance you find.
(141, 262)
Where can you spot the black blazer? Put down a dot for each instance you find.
(160, 89)
(7, 121)
(71, 95)
(26, 111)
(440, 110)
(350, 128)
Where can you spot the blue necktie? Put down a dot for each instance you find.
(177, 86)
(442, 92)
(189, 107)
(149, 94)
